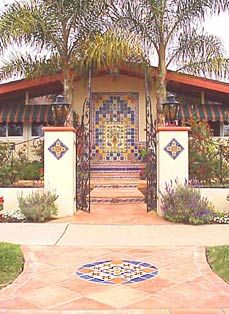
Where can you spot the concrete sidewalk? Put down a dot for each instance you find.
(114, 235)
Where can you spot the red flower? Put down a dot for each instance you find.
(1, 200)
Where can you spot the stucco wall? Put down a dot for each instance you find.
(122, 83)
(10, 196)
(218, 197)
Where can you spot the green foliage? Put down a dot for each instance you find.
(171, 29)
(218, 258)
(76, 34)
(208, 158)
(184, 204)
(30, 171)
(11, 263)
(143, 154)
(10, 163)
(14, 165)
(39, 206)
(39, 150)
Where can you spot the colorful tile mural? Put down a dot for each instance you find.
(117, 272)
(115, 126)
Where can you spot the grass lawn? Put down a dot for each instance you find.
(218, 259)
(11, 263)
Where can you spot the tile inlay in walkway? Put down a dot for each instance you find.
(117, 272)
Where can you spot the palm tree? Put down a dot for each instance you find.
(172, 29)
(68, 36)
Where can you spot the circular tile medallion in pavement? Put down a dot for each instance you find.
(117, 272)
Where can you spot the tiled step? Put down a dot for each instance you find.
(115, 175)
(116, 170)
(116, 185)
(129, 200)
(120, 194)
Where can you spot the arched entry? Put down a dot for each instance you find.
(108, 131)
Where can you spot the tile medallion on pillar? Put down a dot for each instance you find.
(58, 149)
(173, 148)
(117, 272)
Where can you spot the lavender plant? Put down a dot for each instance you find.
(182, 203)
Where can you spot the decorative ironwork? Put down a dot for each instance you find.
(151, 159)
(83, 157)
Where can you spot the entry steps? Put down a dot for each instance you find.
(117, 170)
(116, 183)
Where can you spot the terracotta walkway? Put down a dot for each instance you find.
(185, 282)
(113, 214)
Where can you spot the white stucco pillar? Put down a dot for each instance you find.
(172, 159)
(60, 166)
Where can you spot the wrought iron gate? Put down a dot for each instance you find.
(83, 158)
(151, 149)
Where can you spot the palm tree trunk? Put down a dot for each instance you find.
(68, 93)
(161, 83)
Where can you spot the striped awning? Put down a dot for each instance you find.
(23, 113)
(206, 112)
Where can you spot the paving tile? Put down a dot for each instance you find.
(30, 286)
(155, 285)
(51, 296)
(190, 292)
(119, 297)
(30, 312)
(198, 311)
(84, 304)
(216, 301)
(55, 276)
(155, 302)
(17, 303)
(83, 287)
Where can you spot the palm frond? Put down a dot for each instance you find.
(28, 67)
(111, 49)
(200, 49)
(214, 67)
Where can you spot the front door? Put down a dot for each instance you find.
(115, 126)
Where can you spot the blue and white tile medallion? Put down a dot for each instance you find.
(173, 148)
(58, 149)
(117, 272)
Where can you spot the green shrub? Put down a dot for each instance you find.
(208, 158)
(184, 204)
(39, 206)
(31, 171)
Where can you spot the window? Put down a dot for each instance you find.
(226, 130)
(3, 129)
(37, 129)
(11, 129)
(215, 127)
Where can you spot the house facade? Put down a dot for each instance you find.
(117, 108)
